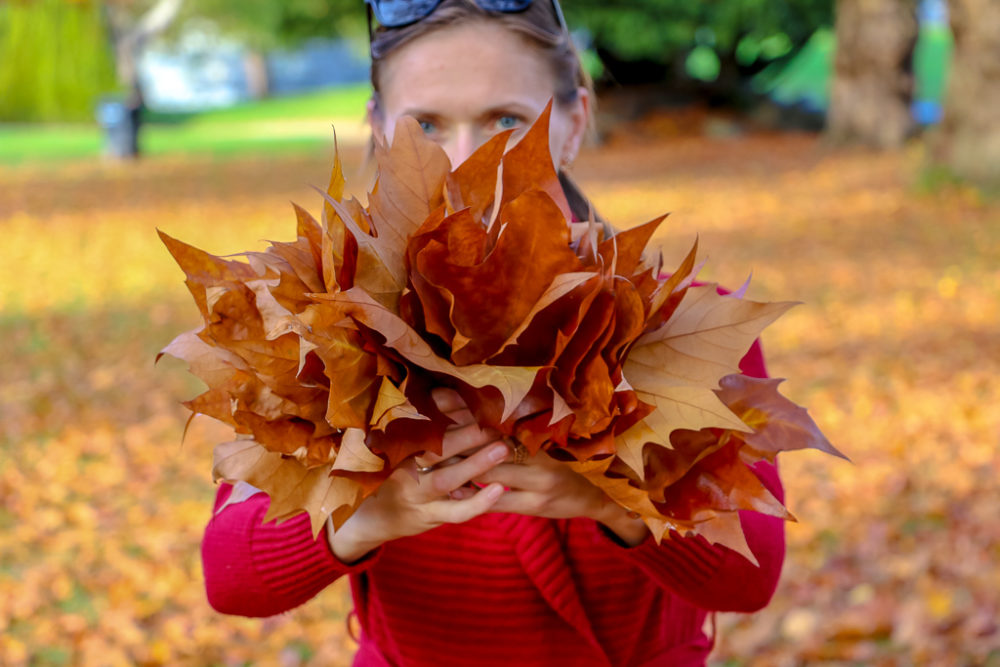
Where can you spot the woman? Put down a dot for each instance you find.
(531, 564)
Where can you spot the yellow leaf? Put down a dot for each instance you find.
(629, 446)
(350, 369)
(410, 187)
(675, 367)
(354, 455)
(704, 340)
(392, 404)
(677, 280)
(292, 487)
(618, 489)
(381, 268)
(725, 528)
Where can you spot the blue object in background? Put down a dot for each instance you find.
(933, 11)
(203, 71)
(110, 113)
(319, 63)
(927, 112)
(121, 127)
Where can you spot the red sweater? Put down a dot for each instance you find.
(503, 588)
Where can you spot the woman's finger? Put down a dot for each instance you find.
(517, 476)
(447, 400)
(442, 481)
(519, 502)
(460, 511)
(460, 417)
(466, 440)
(463, 492)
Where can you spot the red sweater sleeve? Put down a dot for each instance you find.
(257, 569)
(714, 577)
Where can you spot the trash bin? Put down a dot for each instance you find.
(121, 128)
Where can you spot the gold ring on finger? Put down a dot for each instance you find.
(519, 453)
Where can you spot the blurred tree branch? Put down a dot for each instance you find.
(133, 25)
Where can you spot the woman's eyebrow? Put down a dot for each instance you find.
(417, 112)
(519, 108)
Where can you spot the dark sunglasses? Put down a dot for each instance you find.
(399, 13)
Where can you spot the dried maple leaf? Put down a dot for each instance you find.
(491, 291)
(513, 383)
(322, 352)
(778, 424)
(291, 486)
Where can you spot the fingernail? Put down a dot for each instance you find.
(498, 453)
(494, 492)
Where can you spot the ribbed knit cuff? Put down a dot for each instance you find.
(712, 576)
(684, 564)
(690, 561)
(293, 564)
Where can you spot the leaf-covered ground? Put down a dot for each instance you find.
(896, 351)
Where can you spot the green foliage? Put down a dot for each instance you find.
(703, 63)
(266, 24)
(55, 60)
(753, 32)
(806, 77)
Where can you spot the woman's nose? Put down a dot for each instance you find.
(464, 142)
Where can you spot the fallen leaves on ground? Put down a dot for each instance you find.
(895, 352)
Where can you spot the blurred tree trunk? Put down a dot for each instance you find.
(256, 73)
(873, 76)
(131, 34)
(969, 137)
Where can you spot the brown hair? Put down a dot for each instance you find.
(538, 24)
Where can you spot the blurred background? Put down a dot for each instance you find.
(846, 152)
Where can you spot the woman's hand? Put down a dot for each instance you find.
(541, 486)
(410, 503)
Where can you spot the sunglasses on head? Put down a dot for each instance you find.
(399, 13)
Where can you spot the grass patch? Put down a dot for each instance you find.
(21, 143)
(935, 179)
(296, 123)
(340, 102)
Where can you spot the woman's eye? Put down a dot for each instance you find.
(508, 122)
(427, 126)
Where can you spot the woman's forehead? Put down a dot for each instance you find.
(473, 66)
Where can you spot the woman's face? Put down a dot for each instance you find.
(468, 82)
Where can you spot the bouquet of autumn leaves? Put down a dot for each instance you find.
(322, 353)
